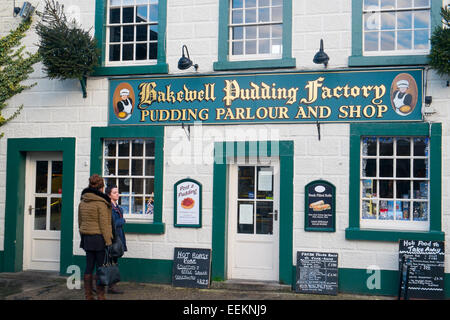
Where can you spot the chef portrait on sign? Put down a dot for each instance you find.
(123, 101)
(404, 94)
(126, 103)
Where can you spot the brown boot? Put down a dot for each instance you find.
(88, 287)
(101, 292)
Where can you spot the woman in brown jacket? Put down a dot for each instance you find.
(94, 221)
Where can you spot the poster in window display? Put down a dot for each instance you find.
(188, 204)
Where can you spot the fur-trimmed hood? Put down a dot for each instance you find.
(87, 195)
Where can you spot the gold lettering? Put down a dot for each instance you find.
(203, 114)
(381, 109)
(312, 88)
(379, 93)
(219, 112)
(367, 113)
(343, 113)
(301, 113)
(147, 94)
(283, 113)
(144, 113)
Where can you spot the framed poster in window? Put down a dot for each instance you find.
(188, 204)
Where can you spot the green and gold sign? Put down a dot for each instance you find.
(290, 97)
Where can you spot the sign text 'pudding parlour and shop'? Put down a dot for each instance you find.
(291, 97)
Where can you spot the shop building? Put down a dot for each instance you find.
(242, 136)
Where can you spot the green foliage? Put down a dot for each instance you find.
(15, 67)
(440, 45)
(67, 51)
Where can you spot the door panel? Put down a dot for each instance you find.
(42, 217)
(253, 225)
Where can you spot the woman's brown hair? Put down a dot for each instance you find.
(96, 182)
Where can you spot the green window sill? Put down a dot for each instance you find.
(145, 228)
(257, 64)
(392, 236)
(361, 61)
(131, 70)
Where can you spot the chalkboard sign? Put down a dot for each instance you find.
(317, 273)
(320, 206)
(191, 268)
(426, 268)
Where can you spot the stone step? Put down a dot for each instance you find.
(250, 285)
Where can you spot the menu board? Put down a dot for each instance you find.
(317, 273)
(191, 268)
(426, 268)
(320, 203)
(188, 203)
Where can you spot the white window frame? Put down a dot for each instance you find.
(247, 57)
(115, 177)
(133, 62)
(377, 12)
(402, 225)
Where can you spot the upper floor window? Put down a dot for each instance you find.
(255, 29)
(396, 27)
(131, 32)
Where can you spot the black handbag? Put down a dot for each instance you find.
(108, 274)
(117, 249)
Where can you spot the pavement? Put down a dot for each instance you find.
(42, 285)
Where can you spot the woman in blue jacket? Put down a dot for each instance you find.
(118, 222)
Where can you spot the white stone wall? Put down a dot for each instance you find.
(57, 109)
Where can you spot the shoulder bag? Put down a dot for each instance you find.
(108, 274)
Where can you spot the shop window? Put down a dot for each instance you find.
(130, 165)
(395, 183)
(131, 34)
(254, 34)
(392, 32)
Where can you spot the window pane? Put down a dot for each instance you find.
(277, 31)
(124, 202)
(403, 147)
(420, 190)
(57, 167)
(124, 167)
(421, 39)
(141, 14)
(264, 217)
(277, 2)
(237, 16)
(404, 20)
(371, 41)
(154, 12)
(246, 182)
(264, 15)
(128, 52)
(403, 168)
(114, 15)
(128, 33)
(250, 3)
(263, 3)
(137, 148)
(110, 148)
(41, 176)
(264, 32)
(264, 46)
(141, 33)
(128, 15)
(149, 148)
(369, 188)
(110, 167)
(154, 32)
(387, 40)
(403, 212)
(386, 168)
(369, 168)
(136, 167)
(138, 186)
(237, 48)
(238, 33)
(149, 167)
(114, 35)
(404, 40)
(40, 213)
(245, 221)
(277, 14)
(403, 189)
(250, 15)
(277, 47)
(141, 51)
(237, 3)
(386, 146)
(386, 210)
(124, 148)
(387, 4)
(369, 209)
(370, 4)
(369, 146)
(420, 168)
(387, 20)
(250, 47)
(124, 186)
(421, 146)
(149, 186)
(137, 205)
(421, 3)
(114, 52)
(250, 32)
(401, 4)
(420, 211)
(153, 51)
(55, 214)
(421, 19)
(386, 188)
(264, 175)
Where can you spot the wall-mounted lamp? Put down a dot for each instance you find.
(428, 109)
(185, 62)
(321, 57)
(25, 12)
